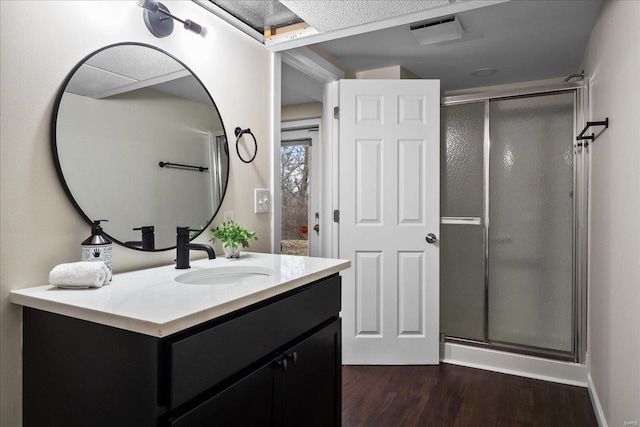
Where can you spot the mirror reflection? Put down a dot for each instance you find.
(123, 112)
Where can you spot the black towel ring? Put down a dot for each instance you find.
(239, 132)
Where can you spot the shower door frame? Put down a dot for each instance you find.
(580, 220)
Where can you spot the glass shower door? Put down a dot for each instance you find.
(462, 277)
(531, 221)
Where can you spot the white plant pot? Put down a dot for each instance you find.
(231, 252)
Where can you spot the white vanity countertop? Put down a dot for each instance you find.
(151, 302)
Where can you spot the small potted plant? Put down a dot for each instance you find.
(233, 238)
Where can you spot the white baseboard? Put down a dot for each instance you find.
(514, 364)
(595, 402)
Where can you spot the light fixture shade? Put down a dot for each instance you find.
(442, 30)
(150, 5)
(192, 26)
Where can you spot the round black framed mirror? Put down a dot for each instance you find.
(138, 140)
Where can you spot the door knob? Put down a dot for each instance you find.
(431, 238)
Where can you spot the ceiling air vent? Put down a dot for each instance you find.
(441, 30)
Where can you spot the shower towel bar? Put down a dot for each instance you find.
(591, 137)
(180, 166)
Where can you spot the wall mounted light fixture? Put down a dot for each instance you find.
(159, 20)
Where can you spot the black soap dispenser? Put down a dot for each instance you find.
(97, 247)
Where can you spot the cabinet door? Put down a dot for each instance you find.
(313, 380)
(247, 403)
(203, 359)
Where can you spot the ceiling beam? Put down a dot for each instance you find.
(280, 31)
(310, 63)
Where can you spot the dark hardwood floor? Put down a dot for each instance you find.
(449, 395)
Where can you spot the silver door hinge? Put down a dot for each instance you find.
(336, 215)
(336, 113)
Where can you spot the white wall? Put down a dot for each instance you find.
(41, 41)
(612, 61)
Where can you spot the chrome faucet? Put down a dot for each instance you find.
(183, 246)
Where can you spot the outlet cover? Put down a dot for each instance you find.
(262, 201)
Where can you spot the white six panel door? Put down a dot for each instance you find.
(389, 202)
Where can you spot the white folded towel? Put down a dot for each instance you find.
(84, 274)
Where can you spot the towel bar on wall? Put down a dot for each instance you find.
(180, 166)
(591, 137)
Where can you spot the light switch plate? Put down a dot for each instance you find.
(262, 201)
(228, 216)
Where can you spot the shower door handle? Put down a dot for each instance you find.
(431, 238)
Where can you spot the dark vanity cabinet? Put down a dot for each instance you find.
(275, 363)
(300, 387)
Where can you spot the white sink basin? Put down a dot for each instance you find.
(224, 275)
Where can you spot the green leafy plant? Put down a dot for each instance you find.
(232, 234)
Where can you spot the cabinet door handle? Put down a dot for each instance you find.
(283, 363)
(293, 357)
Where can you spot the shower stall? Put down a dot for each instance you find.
(513, 208)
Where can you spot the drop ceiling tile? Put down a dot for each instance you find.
(330, 15)
(149, 63)
(90, 81)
